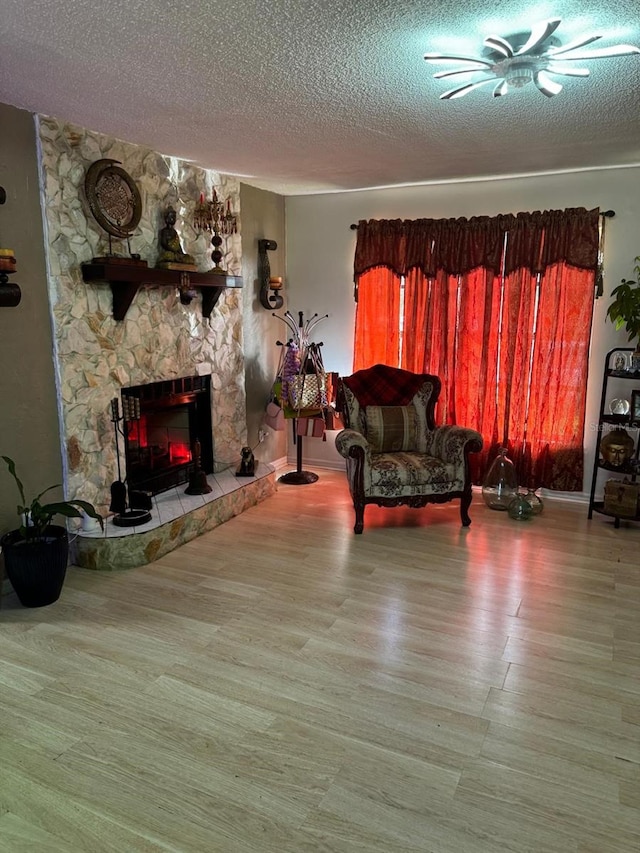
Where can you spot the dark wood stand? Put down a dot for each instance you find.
(126, 279)
(298, 477)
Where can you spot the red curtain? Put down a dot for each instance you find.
(552, 444)
(500, 309)
(377, 335)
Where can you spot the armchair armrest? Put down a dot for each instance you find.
(451, 442)
(348, 439)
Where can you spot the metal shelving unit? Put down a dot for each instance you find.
(631, 468)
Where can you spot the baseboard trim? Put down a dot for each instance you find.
(309, 463)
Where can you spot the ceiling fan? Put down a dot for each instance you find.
(523, 58)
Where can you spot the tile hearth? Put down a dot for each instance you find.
(176, 519)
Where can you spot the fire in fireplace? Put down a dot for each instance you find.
(162, 422)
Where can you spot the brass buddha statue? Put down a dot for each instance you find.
(617, 447)
(171, 255)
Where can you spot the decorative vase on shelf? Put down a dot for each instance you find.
(520, 509)
(500, 485)
(534, 501)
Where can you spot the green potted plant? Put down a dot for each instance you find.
(625, 308)
(36, 554)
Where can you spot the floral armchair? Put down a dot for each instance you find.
(394, 452)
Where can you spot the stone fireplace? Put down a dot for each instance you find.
(160, 340)
(163, 423)
(159, 343)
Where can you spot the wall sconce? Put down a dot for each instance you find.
(215, 216)
(10, 294)
(269, 285)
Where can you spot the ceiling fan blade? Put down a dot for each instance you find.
(499, 44)
(567, 71)
(463, 90)
(501, 89)
(546, 85)
(442, 57)
(603, 53)
(539, 33)
(572, 45)
(442, 74)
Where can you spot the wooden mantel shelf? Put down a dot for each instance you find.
(126, 279)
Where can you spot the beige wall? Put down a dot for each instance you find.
(320, 249)
(262, 218)
(29, 431)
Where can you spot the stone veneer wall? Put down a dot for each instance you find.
(160, 338)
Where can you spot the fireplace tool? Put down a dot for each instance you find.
(198, 479)
(125, 516)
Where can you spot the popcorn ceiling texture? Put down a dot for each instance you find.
(317, 95)
(159, 338)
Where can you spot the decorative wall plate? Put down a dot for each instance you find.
(113, 197)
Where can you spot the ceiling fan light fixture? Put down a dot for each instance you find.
(567, 70)
(516, 61)
(546, 85)
(499, 44)
(539, 33)
(441, 75)
(601, 53)
(519, 74)
(441, 57)
(501, 89)
(459, 91)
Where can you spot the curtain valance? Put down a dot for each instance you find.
(457, 246)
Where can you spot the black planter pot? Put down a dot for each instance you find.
(36, 568)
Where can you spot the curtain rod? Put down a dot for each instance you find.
(609, 214)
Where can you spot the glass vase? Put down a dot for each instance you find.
(500, 484)
(520, 509)
(534, 501)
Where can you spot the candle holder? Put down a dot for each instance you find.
(270, 286)
(216, 217)
(10, 294)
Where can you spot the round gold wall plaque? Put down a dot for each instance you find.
(113, 197)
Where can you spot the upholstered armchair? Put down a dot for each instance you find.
(394, 452)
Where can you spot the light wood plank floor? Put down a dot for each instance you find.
(281, 684)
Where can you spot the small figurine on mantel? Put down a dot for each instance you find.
(171, 255)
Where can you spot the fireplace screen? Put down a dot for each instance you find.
(162, 422)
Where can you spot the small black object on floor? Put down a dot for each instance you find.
(247, 463)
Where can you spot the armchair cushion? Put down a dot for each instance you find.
(391, 428)
(405, 474)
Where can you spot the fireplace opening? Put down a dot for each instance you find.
(162, 423)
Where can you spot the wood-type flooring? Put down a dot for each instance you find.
(281, 685)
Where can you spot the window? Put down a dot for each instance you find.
(500, 309)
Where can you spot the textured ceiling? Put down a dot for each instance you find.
(318, 95)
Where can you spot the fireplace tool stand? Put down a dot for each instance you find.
(125, 515)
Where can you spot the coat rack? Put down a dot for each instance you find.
(301, 344)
